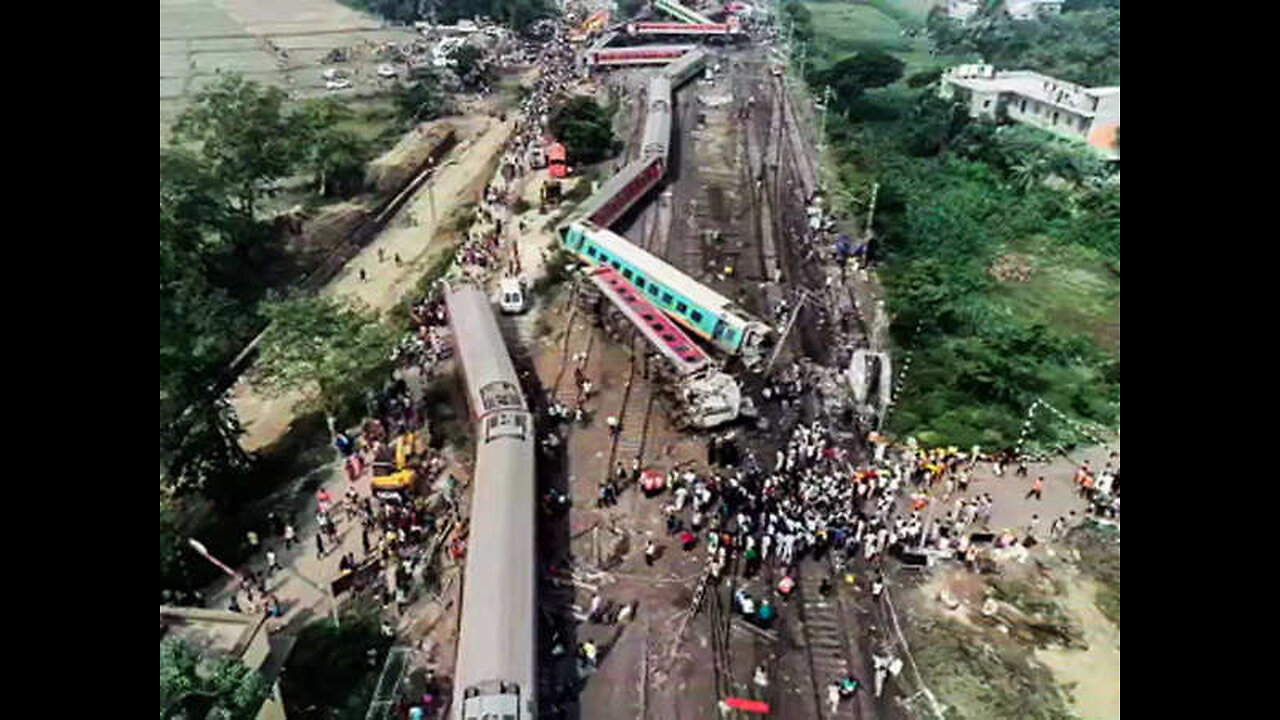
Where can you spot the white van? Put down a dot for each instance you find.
(511, 296)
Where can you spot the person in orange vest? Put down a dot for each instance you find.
(1037, 487)
(1086, 487)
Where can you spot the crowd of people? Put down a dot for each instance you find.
(810, 499)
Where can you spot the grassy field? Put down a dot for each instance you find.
(199, 39)
(844, 28)
(1071, 288)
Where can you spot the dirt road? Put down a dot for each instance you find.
(460, 178)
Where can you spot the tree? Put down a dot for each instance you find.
(924, 78)
(1081, 47)
(932, 124)
(241, 130)
(200, 323)
(191, 687)
(328, 675)
(801, 20)
(471, 67)
(202, 446)
(585, 128)
(853, 75)
(336, 156)
(421, 99)
(338, 347)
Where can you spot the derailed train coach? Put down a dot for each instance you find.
(496, 672)
(698, 308)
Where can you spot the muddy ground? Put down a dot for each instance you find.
(1048, 647)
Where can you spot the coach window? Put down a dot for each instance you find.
(682, 308)
(591, 251)
(640, 282)
(695, 316)
(603, 258)
(616, 265)
(653, 290)
(666, 298)
(627, 273)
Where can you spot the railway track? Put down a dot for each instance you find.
(826, 641)
(574, 345)
(637, 396)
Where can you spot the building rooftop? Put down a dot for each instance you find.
(1031, 85)
(218, 631)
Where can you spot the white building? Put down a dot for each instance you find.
(1091, 115)
(1031, 9)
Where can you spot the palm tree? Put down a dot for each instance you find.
(1027, 173)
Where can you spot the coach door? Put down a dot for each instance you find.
(718, 333)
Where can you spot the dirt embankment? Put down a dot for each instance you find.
(1039, 639)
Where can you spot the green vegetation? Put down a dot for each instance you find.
(1081, 47)
(836, 29)
(586, 129)
(336, 156)
(332, 673)
(999, 246)
(852, 76)
(519, 14)
(472, 68)
(218, 258)
(422, 99)
(195, 688)
(337, 347)
(243, 133)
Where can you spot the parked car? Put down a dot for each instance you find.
(386, 71)
(339, 84)
(511, 296)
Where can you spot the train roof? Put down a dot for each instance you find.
(678, 71)
(491, 378)
(652, 322)
(612, 187)
(659, 269)
(497, 640)
(640, 49)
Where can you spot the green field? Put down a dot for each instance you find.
(1071, 288)
(843, 28)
